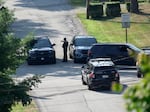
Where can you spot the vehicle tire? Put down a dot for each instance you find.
(139, 75)
(89, 86)
(75, 60)
(29, 63)
(70, 56)
(54, 61)
(83, 82)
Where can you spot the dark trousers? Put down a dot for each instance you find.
(65, 55)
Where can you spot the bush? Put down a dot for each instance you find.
(138, 96)
(96, 10)
(113, 9)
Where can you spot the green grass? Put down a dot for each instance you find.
(29, 108)
(110, 30)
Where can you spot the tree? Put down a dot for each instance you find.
(138, 96)
(134, 8)
(87, 9)
(11, 92)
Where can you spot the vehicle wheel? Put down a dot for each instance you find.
(75, 60)
(139, 75)
(83, 82)
(54, 61)
(70, 56)
(89, 86)
(29, 63)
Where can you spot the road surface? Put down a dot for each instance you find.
(61, 89)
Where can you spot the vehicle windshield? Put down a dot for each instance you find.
(42, 43)
(85, 41)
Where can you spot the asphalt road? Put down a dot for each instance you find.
(61, 89)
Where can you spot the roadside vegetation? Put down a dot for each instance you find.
(110, 29)
(30, 108)
(12, 55)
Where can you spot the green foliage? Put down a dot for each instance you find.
(138, 96)
(116, 87)
(12, 93)
(10, 53)
(26, 42)
(8, 44)
(6, 19)
(8, 48)
(30, 108)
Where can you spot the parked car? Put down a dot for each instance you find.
(140, 73)
(99, 72)
(79, 47)
(42, 51)
(120, 53)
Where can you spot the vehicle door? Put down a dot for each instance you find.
(72, 47)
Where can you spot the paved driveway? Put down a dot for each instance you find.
(61, 89)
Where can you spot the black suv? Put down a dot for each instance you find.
(120, 53)
(79, 46)
(42, 51)
(99, 72)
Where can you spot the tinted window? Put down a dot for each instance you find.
(85, 41)
(42, 43)
(103, 68)
(107, 51)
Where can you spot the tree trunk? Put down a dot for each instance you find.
(134, 6)
(87, 9)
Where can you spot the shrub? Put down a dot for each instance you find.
(138, 96)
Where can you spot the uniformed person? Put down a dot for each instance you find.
(65, 47)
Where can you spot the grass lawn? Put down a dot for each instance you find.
(29, 108)
(110, 30)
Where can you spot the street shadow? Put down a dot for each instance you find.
(53, 5)
(24, 27)
(60, 69)
(48, 96)
(109, 91)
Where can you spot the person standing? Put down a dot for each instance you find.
(65, 47)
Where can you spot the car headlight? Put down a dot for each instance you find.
(31, 53)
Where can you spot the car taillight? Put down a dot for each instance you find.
(92, 75)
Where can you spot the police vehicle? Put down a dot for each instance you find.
(99, 72)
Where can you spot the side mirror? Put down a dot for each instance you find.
(53, 44)
(71, 44)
